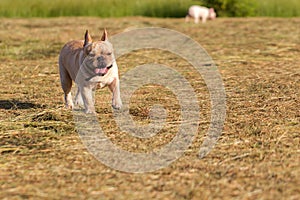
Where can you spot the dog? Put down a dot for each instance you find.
(89, 64)
(198, 12)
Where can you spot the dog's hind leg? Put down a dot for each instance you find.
(66, 84)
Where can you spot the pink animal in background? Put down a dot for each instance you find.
(198, 12)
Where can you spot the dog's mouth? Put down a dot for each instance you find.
(101, 71)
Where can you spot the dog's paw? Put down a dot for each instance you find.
(69, 106)
(79, 102)
(68, 101)
(89, 111)
(117, 105)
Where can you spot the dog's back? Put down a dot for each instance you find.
(67, 63)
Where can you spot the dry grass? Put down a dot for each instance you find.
(257, 157)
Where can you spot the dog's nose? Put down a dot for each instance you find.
(100, 58)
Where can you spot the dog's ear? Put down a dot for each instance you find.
(87, 38)
(87, 49)
(104, 35)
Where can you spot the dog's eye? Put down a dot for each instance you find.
(92, 54)
(109, 53)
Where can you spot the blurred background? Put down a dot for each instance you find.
(149, 8)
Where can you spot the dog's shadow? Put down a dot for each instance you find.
(14, 104)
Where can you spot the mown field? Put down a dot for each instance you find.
(257, 156)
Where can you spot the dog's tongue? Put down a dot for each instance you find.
(101, 70)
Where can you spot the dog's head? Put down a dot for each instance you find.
(99, 55)
(212, 14)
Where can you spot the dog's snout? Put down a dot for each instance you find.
(101, 62)
(100, 58)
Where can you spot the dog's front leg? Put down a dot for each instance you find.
(87, 97)
(115, 89)
(78, 98)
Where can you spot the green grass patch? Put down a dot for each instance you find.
(243, 8)
(278, 8)
(149, 8)
(102, 8)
